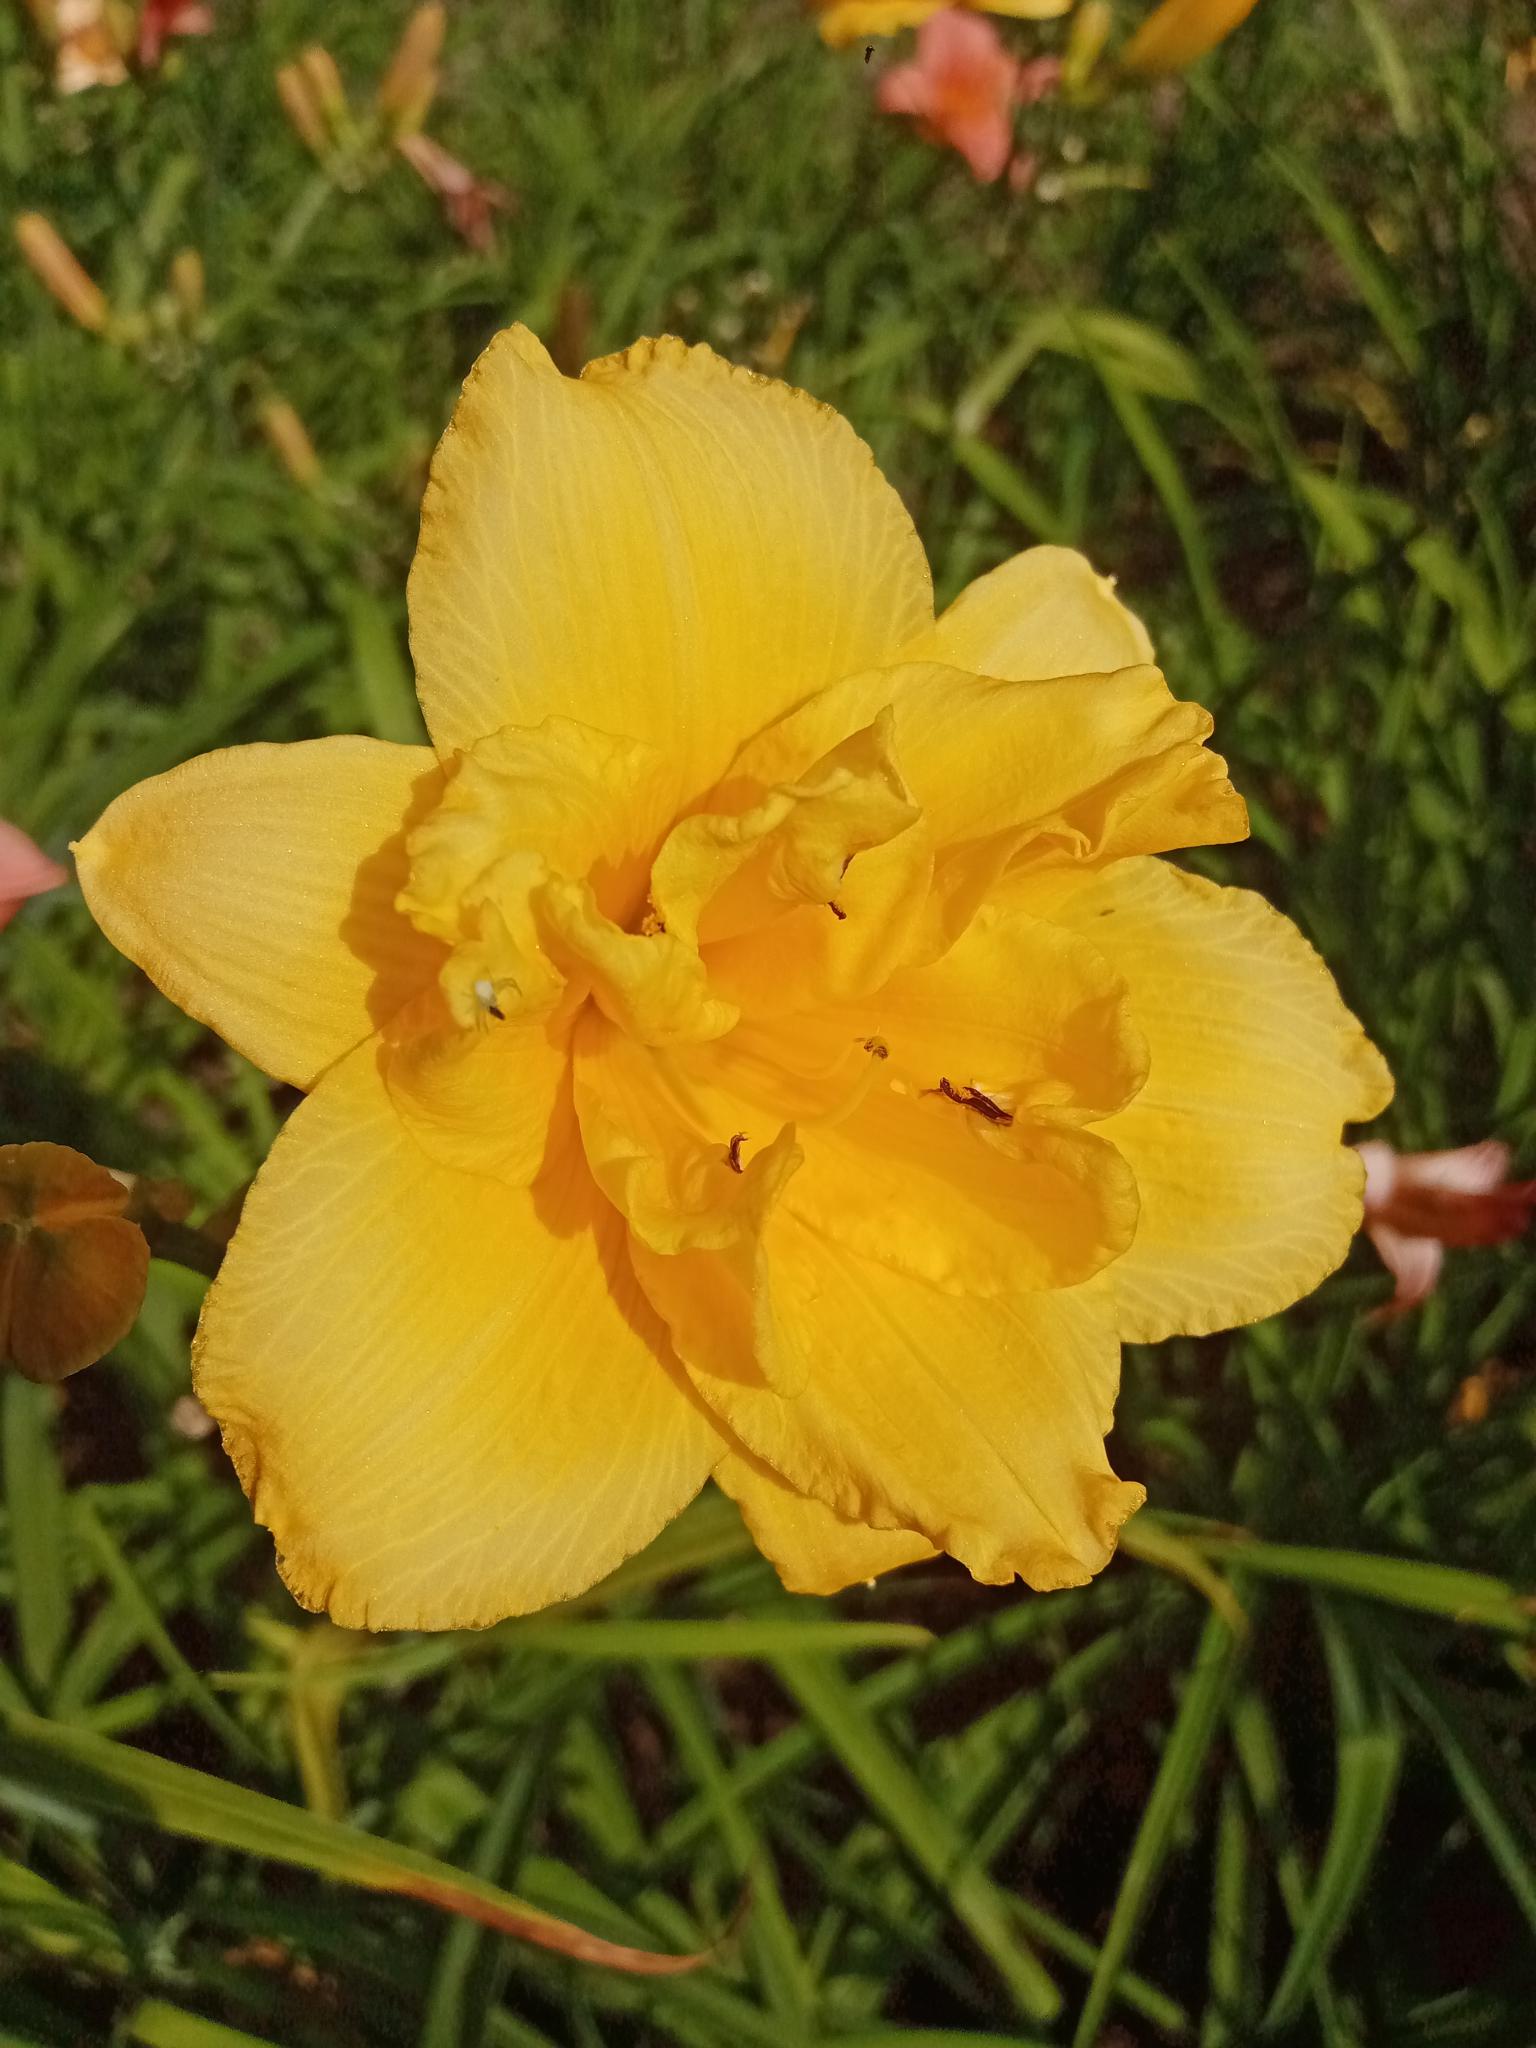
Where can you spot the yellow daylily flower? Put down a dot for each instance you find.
(757, 1037)
(1177, 32)
(844, 21)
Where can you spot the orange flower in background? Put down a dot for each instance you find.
(1418, 1203)
(961, 89)
(72, 1266)
(756, 1039)
(844, 21)
(25, 871)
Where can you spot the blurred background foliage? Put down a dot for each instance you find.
(1259, 340)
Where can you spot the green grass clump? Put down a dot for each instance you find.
(1259, 343)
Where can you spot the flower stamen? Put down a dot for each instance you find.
(970, 1097)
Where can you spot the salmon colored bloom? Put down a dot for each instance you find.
(25, 871)
(961, 89)
(845, 21)
(756, 1038)
(159, 20)
(1417, 1203)
(1178, 32)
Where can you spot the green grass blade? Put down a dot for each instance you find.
(49, 1920)
(690, 1641)
(451, 2002)
(1189, 1740)
(1258, 1755)
(152, 1632)
(1233, 1964)
(1227, 639)
(34, 1505)
(1497, 1799)
(70, 1768)
(928, 1835)
(1372, 280)
(158, 2025)
(1473, 1598)
(1368, 1758)
(1006, 484)
(770, 1943)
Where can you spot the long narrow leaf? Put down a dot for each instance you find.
(930, 1837)
(1368, 1755)
(1189, 1740)
(71, 1768)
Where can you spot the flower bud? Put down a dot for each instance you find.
(290, 442)
(324, 80)
(302, 109)
(409, 86)
(187, 283)
(56, 265)
(1086, 38)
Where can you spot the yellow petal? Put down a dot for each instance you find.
(582, 802)
(1032, 1016)
(257, 886)
(653, 984)
(665, 1147)
(480, 1100)
(934, 1189)
(447, 1398)
(725, 872)
(1248, 1196)
(1085, 768)
(837, 950)
(978, 1424)
(844, 21)
(668, 546)
(811, 1549)
(1176, 33)
(1046, 612)
(919, 1117)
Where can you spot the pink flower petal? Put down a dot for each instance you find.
(985, 140)
(1413, 1262)
(906, 90)
(1472, 1169)
(25, 871)
(965, 46)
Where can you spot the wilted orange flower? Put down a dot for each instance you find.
(960, 89)
(1418, 1203)
(25, 871)
(756, 1038)
(468, 201)
(72, 1267)
(844, 21)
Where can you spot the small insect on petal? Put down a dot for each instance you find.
(972, 1098)
(733, 1152)
(485, 995)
